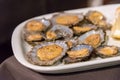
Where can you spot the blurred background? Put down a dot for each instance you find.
(13, 12)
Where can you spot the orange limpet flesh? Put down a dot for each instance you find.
(108, 51)
(51, 35)
(96, 17)
(67, 19)
(78, 29)
(70, 44)
(49, 52)
(78, 53)
(33, 37)
(93, 40)
(35, 26)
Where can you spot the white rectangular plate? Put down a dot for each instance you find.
(20, 47)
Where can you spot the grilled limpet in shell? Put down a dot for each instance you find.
(67, 19)
(47, 53)
(59, 31)
(33, 30)
(33, 38)
(37, 25)
(94, 38)
(78, 53)
(107, 51)
(97, 18)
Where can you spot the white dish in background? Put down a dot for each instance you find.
(20, 47)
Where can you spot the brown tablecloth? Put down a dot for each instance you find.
(11, 69)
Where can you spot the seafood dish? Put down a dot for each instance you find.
(69, 41)
(68, 38)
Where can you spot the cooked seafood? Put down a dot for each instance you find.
(84, 28)
(51, 35)
(67, 19)
(94, 38)
(72, 42)
(107, 51)
(31, 37)
(97, 18)
(37, 25)
(59, 31)
(68, 37)
(47, 53)
(78, 53)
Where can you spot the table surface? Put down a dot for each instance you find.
(11, 69)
